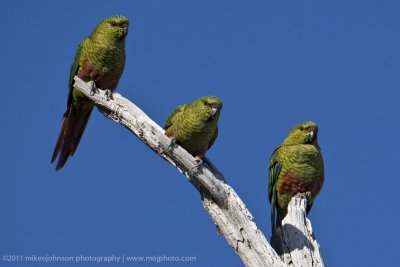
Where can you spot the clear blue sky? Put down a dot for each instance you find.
(273, 64)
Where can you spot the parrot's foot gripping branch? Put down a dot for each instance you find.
(173, 144)
(108, 93)
(198, 162)
(93, 89)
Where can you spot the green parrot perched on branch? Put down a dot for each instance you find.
(194, 126)
(296, 166)
(100, 59)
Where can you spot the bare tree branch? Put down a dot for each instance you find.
(294, 241)
(226, 209)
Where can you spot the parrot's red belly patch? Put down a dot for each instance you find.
(87, 73)
(105, 81)
(291, 183)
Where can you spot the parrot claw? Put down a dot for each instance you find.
(108, 93)
(308, 196)
(172, 145)
(198, 160)
(93, 89)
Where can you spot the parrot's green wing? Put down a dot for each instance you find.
(74, 71)
(213, 138)
(171, 116)
(274, 170)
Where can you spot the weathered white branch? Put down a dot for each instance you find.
(294, 240)
(227, 210)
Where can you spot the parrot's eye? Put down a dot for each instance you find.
(113, 23)
(301, 128)
(206, 103)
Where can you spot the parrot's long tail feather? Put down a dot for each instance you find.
(73, 126)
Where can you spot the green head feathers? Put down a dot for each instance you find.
(302, 133)
(115, 26)
(209, 106)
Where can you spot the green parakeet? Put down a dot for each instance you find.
(194, 126)
(100, 58)
(296, 166)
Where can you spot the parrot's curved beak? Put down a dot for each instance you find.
(124, 27)
(312, 136)
(214, 112)
(125, 31)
